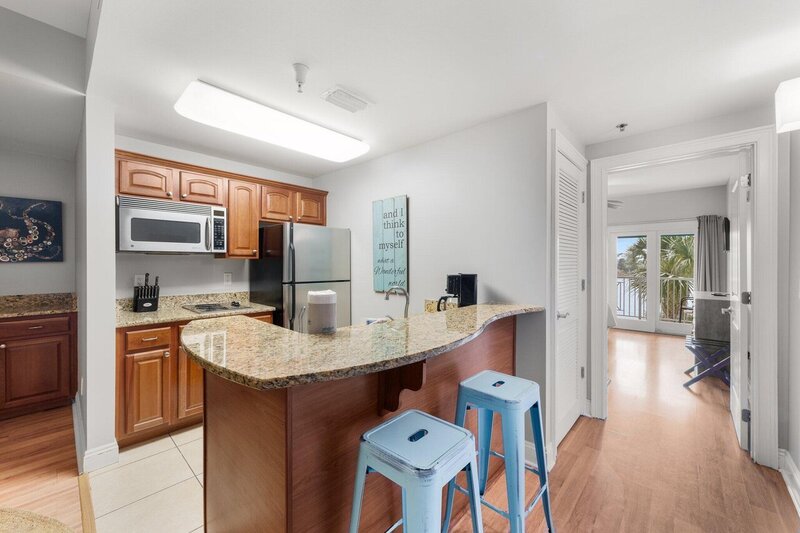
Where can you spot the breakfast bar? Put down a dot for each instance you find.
(284, 411)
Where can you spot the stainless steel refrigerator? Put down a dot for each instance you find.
(297, 258)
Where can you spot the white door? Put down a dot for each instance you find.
(739, 281)
(570, 295)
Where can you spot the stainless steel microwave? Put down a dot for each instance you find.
(157, 226)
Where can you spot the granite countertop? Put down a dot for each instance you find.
(23, 305)
(170, 309)
(264, 356)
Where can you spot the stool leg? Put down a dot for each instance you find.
(541, 463)
(358, 491)
(424, 509)
(513, 424)
(461, 414)
(484, 446)
(474, 497)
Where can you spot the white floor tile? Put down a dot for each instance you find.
(185, 436)
(177, 509)
(200, 478)
(193, 453)
(129, 483)
(137, 452)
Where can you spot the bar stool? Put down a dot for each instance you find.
(421, 453)
(512, 397)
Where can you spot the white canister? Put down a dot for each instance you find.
(321, 311)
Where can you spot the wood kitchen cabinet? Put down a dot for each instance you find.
(147, 390)
(190, 384)
(277, 203)
(203, 189)
(144, 179)
(38, 363)
(310, 207)
(243, 215)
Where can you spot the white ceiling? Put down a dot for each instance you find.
(678, 176)
(69, 15)
(436, 67)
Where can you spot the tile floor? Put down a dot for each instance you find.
(155, 487)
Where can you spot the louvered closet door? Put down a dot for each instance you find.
(570, 247)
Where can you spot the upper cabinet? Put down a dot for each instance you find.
(277, 203)
(310, 207)
(242, 219)
(201, 188)
(143, 179)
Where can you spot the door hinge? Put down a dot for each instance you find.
(583, 372)
(747, 296)
(583, 284)
(746, 415)
(583, 197)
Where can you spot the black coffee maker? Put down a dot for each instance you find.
(461, 286)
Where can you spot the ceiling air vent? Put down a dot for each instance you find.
(345, 99)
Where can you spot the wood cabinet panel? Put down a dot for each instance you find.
(310, 207)
(201, 188)
(264, 318)
(144, 179)
(147, 390)
(147, 338)
(277, 203)
(243, 215)
(190, 385)
(34, 370)
(34, 326)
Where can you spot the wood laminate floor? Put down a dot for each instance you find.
(38, 468)
(666, 460)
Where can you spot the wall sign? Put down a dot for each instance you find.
(390, 243)
(30, 230)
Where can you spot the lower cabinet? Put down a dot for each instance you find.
(159, 388)
(38, 363)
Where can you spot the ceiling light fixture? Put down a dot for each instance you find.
(214, 107)
(787, 106)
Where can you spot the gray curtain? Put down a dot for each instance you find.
(711, 259)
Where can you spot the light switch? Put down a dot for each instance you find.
(227, 279)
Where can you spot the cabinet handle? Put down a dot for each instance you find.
(150, 339)
(166, 355)
(2, 346)
(255, 252)
(184, 195)
(35, 327)
(169, 194)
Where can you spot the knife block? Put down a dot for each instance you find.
(145, 299)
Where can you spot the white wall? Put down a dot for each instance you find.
(673, 205)
(192, 274)
(476, 202)
(24, 175)
(792, 440)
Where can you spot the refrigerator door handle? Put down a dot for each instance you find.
(292, 274)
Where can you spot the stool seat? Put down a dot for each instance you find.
(420, 441)
(492, 387)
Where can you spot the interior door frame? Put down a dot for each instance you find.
(561, 145)
(765, 303)
(654, 231)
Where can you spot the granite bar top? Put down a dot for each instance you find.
(22, 305)
(170, 308)
(264, 356)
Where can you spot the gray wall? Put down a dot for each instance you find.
(792, 440)
(24, 175)
(673, 205)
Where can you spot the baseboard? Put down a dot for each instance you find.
(100, 457)
(79, 430)
(530, 456)
(791, 476)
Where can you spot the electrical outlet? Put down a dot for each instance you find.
(138, 280)
(227, 279)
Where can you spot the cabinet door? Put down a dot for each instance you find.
(310, 207)
(242, 219)
(201, 188)
(144, 179)
(190, 385)
(147, 395)
(34, 370)
(277, 203)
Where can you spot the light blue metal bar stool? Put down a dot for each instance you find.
(421, 453)
(512, 398)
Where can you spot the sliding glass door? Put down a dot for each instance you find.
(652, 276)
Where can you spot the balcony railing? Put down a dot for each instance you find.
(632, 301)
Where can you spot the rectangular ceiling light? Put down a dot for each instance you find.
(787, 106)
(211, 106)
